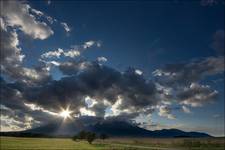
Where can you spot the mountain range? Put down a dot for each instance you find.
(112, 128)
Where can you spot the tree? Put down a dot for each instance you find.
(103, 136)
(82, 135)
(75, 137)
(90, 137)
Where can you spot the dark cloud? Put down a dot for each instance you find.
(121, 95)
(197, 95)
(186, 73)
(13, 106)
(11, 58)
(96, 81)
(32, 96)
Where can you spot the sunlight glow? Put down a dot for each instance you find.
(65, 113)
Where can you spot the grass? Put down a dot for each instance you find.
(14, 143)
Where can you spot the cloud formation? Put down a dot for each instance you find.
(186, 73)
(75, 51)
(59, 52)
(90, 88)
(196, 95)
(98, 82)
(17, 14)
(165, 111)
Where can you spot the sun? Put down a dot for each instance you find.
(65, 113)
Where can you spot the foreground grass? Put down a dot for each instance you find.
(13, 143)
(41, 143)
(173, 143)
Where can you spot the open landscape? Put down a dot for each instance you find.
(112, 75)
(15, 143)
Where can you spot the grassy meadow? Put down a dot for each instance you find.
(14, 143)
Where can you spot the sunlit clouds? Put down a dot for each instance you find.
(105, 68)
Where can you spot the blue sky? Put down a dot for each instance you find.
(142, 35)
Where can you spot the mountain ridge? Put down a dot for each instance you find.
(111, 128)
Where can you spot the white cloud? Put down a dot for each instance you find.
(10, 50)
(102, 59)
(139, 72)
(37, 12)
(35, 107)
(88, 44)
(9, 123)
(41, 14)
(186, 109)
(90, 102)
(66, 27)
(51, 54)
(86, 112)
(17, 14)
(59, 52)
(165, 111)
(72, 53)
(2, 24)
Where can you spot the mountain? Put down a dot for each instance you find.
(111, 128)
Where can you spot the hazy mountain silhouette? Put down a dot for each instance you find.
(112, 128)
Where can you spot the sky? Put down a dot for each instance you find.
(159, 64)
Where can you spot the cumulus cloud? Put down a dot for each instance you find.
(186, 73)
(90, 88)
(75, 51)
(17, 14)
(10, 50)
(179, 83)
(93, 89)
(101, 83)
(196, 95)
(59, 52)
(12, 58)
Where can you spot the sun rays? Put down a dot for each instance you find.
(66, 113)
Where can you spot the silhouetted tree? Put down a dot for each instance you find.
(75, 137)
(90, 137)
(82, 135)
(103, 136)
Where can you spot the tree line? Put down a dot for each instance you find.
(89, 136)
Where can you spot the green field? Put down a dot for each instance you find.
(13, 143)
